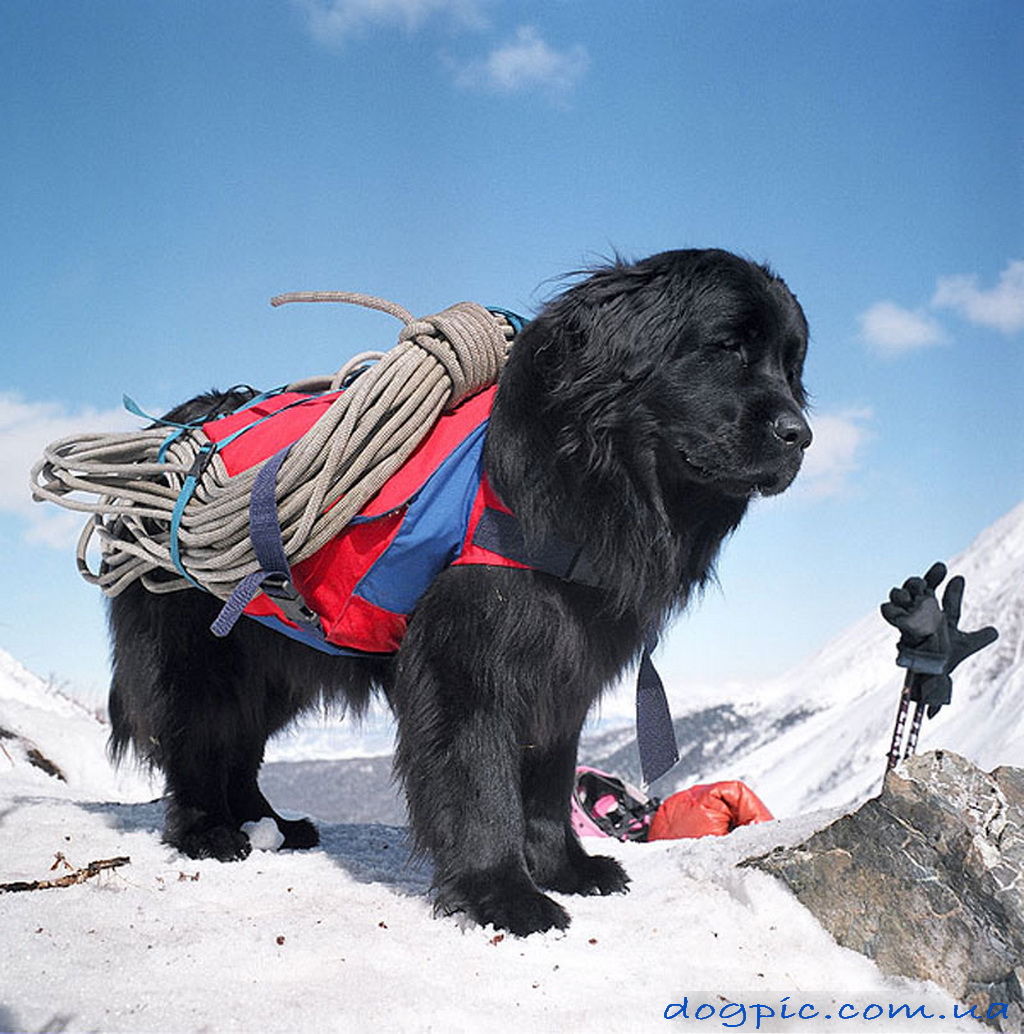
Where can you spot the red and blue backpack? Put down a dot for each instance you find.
(359, 589)
(355, 595)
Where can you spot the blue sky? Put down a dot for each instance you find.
(168, 166)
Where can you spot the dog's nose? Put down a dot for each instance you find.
(791, 429)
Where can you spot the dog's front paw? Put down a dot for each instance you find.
(220, 842)
(512, 904)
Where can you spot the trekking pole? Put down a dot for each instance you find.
(896, 747)
(915, 729)
(901, 721)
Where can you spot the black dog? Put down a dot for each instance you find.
(637, 416)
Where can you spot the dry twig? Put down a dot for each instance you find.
(68, 880)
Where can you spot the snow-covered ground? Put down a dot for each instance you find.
(343, 937)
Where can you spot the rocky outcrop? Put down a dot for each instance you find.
(927, 879)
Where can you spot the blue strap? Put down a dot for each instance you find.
(265, 530)
(517, 321)
(188, 487)
(275, 575)
(199, 465)
(239, 599)
(136, 410)
(264, 526)
(180, 428)
(500, 532)
(655, 735)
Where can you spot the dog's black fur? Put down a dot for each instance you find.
(637, 416)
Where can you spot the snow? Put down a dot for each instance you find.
(344, 938)
(34, 714)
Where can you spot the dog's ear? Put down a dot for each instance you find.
(604, 331)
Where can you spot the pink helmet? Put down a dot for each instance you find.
(605, 806)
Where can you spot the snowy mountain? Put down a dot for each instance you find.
(817, 737)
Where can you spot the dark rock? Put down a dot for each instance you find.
(927, 879)
(32, 754)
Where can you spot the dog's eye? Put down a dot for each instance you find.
(734, 348)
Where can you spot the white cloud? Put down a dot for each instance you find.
(26, 428)
(892, 330)
(525, 63)
(1002, 307)
(835, 455)
(529, 63)
(334, 21)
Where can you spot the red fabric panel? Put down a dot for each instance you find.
(264, 439)
(299, 414)
(327, 579)
(371, 628)
(449, 431)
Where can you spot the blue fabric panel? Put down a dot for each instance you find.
(432, 532)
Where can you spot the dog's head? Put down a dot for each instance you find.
(692, 357)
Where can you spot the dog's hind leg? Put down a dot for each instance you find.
(181, 699)
(212, 765)
(200, 821)
(248, 804)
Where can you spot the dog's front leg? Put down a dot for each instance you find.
(554, 854)
(463, 714)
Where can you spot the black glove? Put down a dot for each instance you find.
(924, 640)
(933, 690)
(931, 642)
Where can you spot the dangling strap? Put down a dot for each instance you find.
(655, 735)
(275, 575)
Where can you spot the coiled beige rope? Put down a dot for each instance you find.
(327, 477)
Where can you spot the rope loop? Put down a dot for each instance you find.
(416, 328)
(159, 519)
(468, 341)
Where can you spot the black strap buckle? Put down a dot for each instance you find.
(280, 589)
